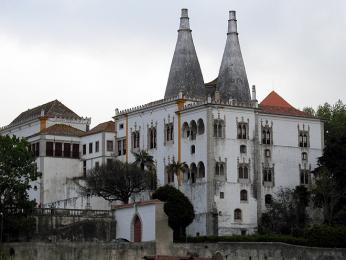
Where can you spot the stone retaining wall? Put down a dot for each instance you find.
(132, 251)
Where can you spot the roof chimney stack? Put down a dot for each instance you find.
(185, 74)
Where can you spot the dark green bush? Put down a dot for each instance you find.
(316, 236)
(326, 236)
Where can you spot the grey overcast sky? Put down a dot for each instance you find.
(98, 55)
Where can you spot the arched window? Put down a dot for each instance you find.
(243, 195)
(200, 124)
(219, 126)
(246, 172)
(267, 153)
(186, 173)
(193, 130)
(193, 170)
(152, 137)
(137, 229)
(170, 176)
(242, 130)
(186, 130)
(268, 199)
(222, 169)
(304, 156)
(201, 170)
(237, 215)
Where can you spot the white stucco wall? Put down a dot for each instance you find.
(124, 218)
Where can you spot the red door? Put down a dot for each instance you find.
(137, 230)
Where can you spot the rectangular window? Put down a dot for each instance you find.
(124, 146)
(84, 168)
(267, 132)
(303, 138)
(49, 148)
(219, 128)
(97, 146)
(135, 139)
(120, 149)
(109, 146)
(75, 150)
(243, 148)
(67, 150)
(242, 130)
(97, 164)
(90, 147)
(243, 172)
(304, 177)
(169, 132)
(268, 176)
(121, 126)
(152, 137)
(222, 195)
(84, 149)
(58, 149)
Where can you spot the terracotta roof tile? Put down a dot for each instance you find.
(108, 126)
(61, 129)
(275, 104)
(51, 109)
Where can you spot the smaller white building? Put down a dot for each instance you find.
(142, 221)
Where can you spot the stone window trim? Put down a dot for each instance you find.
(243, 172)
(109, 145)
(219, 128)
(152, 137)
(169, 133)
(304, 136)
(221, 170)
(97, 146)
(267, 153)
(305, 175)
(121, 146)
(267, 135)
(242, 129)
(268, 199)
(243, 196)
(135, 140)
(268, 177)
(238, 215)
(243, 149)
(192, 130)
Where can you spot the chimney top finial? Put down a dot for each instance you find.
(232, 23)
(184, 20)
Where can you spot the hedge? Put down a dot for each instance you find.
(315, 236)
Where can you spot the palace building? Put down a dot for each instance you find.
(238, 152)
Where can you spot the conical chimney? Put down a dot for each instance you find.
(232, 81)
(185, 74)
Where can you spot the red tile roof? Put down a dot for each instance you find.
(61, 129)
(108, 126)
(275, 104)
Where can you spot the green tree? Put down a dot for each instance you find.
(116, 180)
(325, 194)
(178, 208)
(286, 212)
(333, 162)
(17, 170)
(144, 160)
(177, 168)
